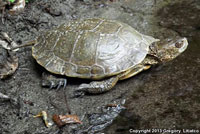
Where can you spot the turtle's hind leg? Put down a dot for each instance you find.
(51, 81)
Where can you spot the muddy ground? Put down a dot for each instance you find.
(164, 97)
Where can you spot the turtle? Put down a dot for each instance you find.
(102, 50)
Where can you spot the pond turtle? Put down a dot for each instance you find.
(102, 50)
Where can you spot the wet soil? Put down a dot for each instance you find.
(164, 97)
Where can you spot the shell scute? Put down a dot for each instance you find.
(56, 65)
(84, 52)
(64, 46)
(83, 70)
(70, 69)
(97, 70)
(107, 27)
(79, 25)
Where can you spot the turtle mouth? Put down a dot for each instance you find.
(184, 46)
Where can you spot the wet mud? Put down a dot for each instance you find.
(164, 97)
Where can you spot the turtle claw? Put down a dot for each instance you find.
(59, 85)
(52, 81)
(78, 94)
(82, 89)
(51, 85)
(63, 83)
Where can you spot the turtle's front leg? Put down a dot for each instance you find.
(96, 87)
(51, 81)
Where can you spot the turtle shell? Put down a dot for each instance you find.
(91, 48)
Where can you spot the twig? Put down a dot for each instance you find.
(66, 102)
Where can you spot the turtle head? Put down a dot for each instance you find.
(169, 49)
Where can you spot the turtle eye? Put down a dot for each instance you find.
(179, 44)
